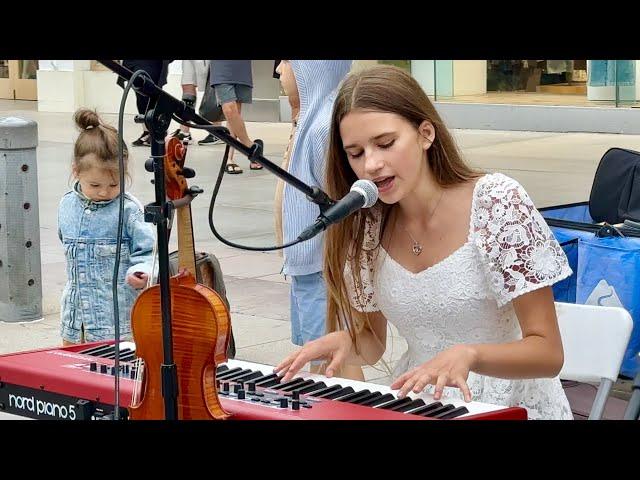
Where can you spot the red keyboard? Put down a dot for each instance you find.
(77, 382)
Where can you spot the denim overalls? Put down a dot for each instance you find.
(88, 233)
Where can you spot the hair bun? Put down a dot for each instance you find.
(86, 119)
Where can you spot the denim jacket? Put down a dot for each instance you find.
(88, 233)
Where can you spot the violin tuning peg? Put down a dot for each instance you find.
(188, 172)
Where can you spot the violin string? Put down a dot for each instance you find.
(137, 382)
(154, 257)
(134, 397)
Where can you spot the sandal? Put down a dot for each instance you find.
(143, 140)
(254, 165)
(233, 168)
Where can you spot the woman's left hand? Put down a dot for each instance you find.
(449, 368)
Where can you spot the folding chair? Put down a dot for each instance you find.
(594, 339)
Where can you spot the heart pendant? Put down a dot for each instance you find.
(417, 248)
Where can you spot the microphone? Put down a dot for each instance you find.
(363, 194)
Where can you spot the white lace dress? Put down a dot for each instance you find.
(466, 298)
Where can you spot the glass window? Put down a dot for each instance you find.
(27, 69)
(4, 68)
(580, 83)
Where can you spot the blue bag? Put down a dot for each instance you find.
(606, 268)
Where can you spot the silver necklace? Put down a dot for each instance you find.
(417, 247)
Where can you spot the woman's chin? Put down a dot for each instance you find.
(389, 198)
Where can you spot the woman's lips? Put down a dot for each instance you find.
(385, 184)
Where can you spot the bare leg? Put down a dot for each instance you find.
(236, 125)
(191, 90)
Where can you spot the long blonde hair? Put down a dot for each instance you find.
(383, 89)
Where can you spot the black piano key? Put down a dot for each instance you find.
(326, 391)
(438, 411)
(124, 352)
(426, 409)
(98, 351)
(312, 388)
(338, 393)
(366, 398)
(226, 376)
(353, 396)
(395, 403)
(418, 402)
(264, 378)
(456, 412)
(248, 376)
(128, 356)
(291, 383)
(229, 372)
(298, 386)
(378, 400)
(221, 368)
(270, 382)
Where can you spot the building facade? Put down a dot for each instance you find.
(539, 95)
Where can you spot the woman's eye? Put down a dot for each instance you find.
(94, 185)
(354, 155)
(388, 144)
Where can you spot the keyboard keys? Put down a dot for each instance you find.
(456, 412)
(408, 406)
(350, 398)
(366, 398)
(290, 384)
(395, 403)
(438, 411)
(338, 393)
(301, 384)
(326, 391)
(378, 400)
(315, 390)
(268, 381)
(229, 372)
(426, 409)
(312, 388)
(247, 376)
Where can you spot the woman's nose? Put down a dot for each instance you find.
(372, 163)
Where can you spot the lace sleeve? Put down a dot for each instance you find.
(519, 251)
(362, 296)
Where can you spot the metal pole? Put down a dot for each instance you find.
(20, 269)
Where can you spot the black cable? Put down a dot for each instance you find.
(116, 267)
(223, 165)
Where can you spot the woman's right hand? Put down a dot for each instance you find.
(333, 347)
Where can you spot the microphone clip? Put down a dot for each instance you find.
(321, 199)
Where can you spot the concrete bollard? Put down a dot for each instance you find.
(20, 268)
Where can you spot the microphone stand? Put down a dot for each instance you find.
(161, 109)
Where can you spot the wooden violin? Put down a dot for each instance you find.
(200, 322)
